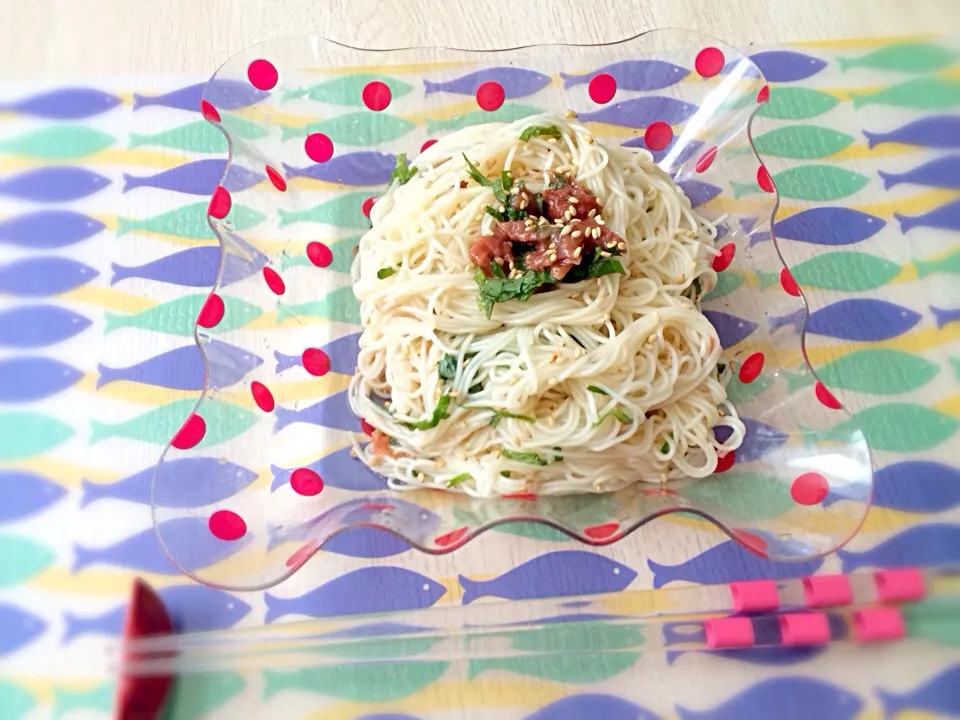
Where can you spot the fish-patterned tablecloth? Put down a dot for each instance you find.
(105, 259)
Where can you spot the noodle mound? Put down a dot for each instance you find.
(592, 381)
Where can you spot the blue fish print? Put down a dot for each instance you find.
(936, 131)
(48, 229)
(23, 379)
(729, 562)
(42, 276)
(24, 493)
(338, 469)
(188, 539)
(223, 93)
(937, 696)
(64, 104)
(181, 483)
(18, 628)
(919, 486)
(730, 328)
(199, 177)
(566, 572)
(634, 75)
(53, 184)
(944, 172)
(592, 705)
(671, 157)
(835, 226)
(361, 542)
(856, 319)
(759, 440)
(773, 656)
(794, 697)
(367, 590)
(183, 368)
(35, 326)
(342, 353)
(196, 267)
(945, 217)
(640, 112)
(332, 412)
(700, 193)
(787, 65)
(356, 168)
(516, 82)
(944, 316)
(922, 545)
(192, 608)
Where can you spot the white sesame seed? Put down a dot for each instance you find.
(593, 211)
(502, 208)
(623, 246)
(570, 115)
(552, 141)
(552, 381)
(565, 231)
(577, 251)
(542, 221)
(600, 221)
(576, 234)
(604, 253)
(572, 200)
(498, 261)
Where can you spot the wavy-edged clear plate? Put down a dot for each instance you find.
(313, 130)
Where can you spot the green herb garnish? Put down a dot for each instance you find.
(665, 448)
(538, 130)
(454, 481)
(557, 182)
(402, 172)
(599, 390)
(385, 272)
(603, 266)
(617, 414)
(500, 288)
(473, 172)
(447, 369)
(499, 415)
(439, 413)
(527, 457)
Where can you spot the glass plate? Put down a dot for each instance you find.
(313, 129)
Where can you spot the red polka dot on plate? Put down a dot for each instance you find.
(190, 434)
(262, 74)
(809, 488)
(490, 96)
(376, 95)
(316, 362)
(227, 525)
(658, 135)
(764, 94)
(764, 180)
(521, 496)
(368, 205)
(602, 88)
(709, 62)
(428, 143)
(262, 396)
(319, 147)
(319, 254)
(367, 427)
(209, 112)
(751, 368)
(277, 179)
(212, 312)
(725, 462)
(450, 538)
(306, 482)
(706, 160)
(788, 284)
(220, 203)
(601, 532)
(826, 397)
(752, 541)
(302, 554)
(274, 281)
(722, 261)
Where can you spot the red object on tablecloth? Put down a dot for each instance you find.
(142, 697)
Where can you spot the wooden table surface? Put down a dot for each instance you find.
(58, 38)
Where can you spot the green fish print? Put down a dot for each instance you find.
(802, 142)
(363, 128)
(740, 393)
(797, 103)
(342, 251)
(98, 698)
(921, 94)
(955, 364)
(578, 512)
(934, 619)
(841, 270)
(744, 496)
(877, 371)
(346, 90)
(340, 305)
(201, 136)
(809, 182)
(727, 282)
(345, 210)
(381, 648)
(360, 682)
(197, 694)
(581, 667)
(190, 221)
(25, 434)
(949, 264)
(58, 142)
(15, 702)
(22, 559)
(505, 114)
(895, 427)
(224, 421)
(915, 57)
(534, 531)
(179, 317)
